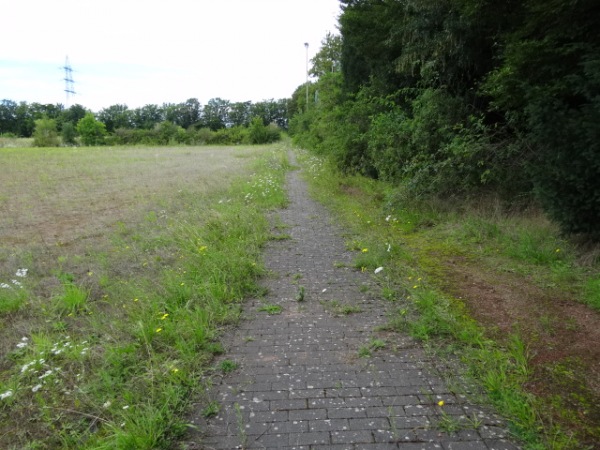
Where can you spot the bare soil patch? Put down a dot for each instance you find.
(562, 337)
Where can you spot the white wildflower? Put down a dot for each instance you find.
(22, 273)
(36, 388)
(6, 394)
(16, 283)
(387, 219)
(47, 373)
(126, 407)
(22, 344)
(379, 269)
(389, 248)
(4, 286)
(26, 367)
(107, 404)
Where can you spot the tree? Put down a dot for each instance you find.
(147, 117)
(115, 117)
(45, 134)
(8, 117)
(68, 133)
(328, 58)
(216, 114)
(92, 132)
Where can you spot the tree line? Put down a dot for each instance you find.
(459, 98)
(219, 121)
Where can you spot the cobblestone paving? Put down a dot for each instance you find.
(304, 379)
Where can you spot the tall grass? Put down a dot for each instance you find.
(122, 348)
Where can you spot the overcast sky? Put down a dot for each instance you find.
(137, 52)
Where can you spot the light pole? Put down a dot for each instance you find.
(306, 46)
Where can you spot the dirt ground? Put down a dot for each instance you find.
(562, 337)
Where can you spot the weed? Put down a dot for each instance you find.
(280, 237)
(228, 366)
(271, 309)
(339, 308)
(300, 294)
(377, 344)
(364, 351)
(240, 425)
(212, 409)
(448, 424)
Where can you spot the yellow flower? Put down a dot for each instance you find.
(415, 287)
(164, 316)
(158, 330)
(136, 299)
(363, 268)
(558, 250)
(365, 250)
(175, 370)
(441, 403)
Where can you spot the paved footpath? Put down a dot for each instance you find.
(301, 383)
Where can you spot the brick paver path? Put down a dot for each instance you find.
(301, 382)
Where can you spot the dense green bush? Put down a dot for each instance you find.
(68, 134)
(90, 130)
(45, 134)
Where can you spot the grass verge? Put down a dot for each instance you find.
(502, 292)
(110, 356)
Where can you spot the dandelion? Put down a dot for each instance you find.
(158, 330)
(558, 250)
(164, 316)
(415, 287)
(441, 403)
(379, 269)
(365, 250)
(175, 370)
(6, 394)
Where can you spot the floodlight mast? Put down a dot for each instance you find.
(306, 46)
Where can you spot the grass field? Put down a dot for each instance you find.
(118, 269)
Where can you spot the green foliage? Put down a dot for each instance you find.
(258, 133)
(92, 132)
(45, 134)
(465, 97)
(68, 133)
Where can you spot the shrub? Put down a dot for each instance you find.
(92, 132)
(68, 133)
(45, 134)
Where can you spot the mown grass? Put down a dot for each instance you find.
(414, 242)
(110, 336)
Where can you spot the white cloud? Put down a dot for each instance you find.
(138, 52)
